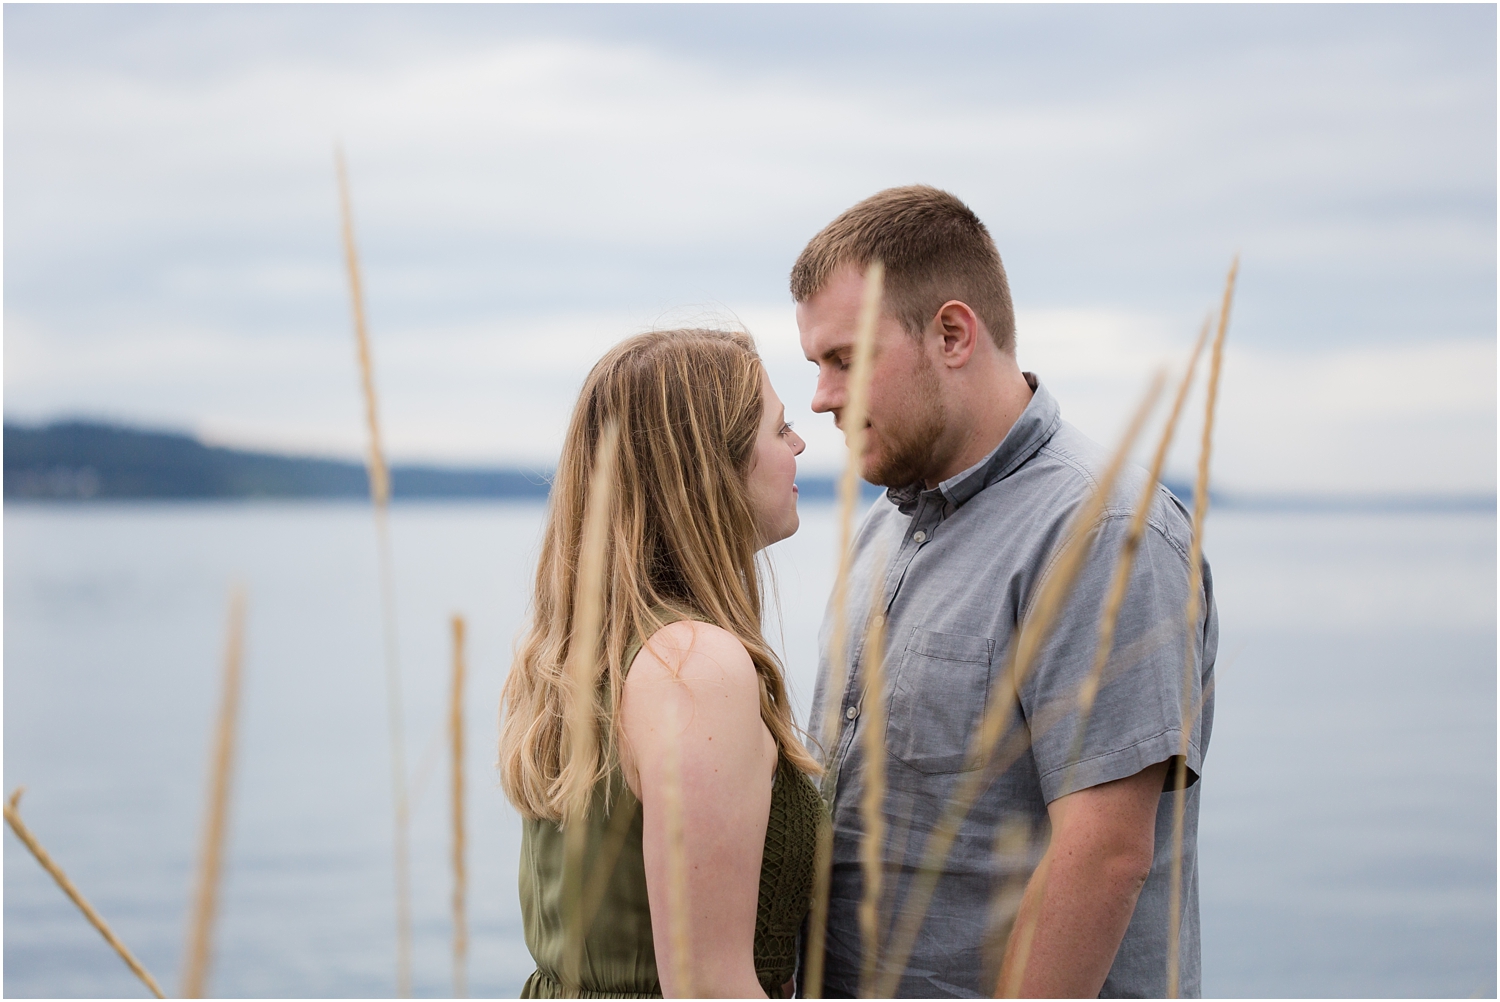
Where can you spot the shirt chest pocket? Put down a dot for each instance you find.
(937, 696)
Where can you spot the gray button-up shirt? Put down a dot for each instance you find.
(959, 566)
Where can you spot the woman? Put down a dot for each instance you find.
(692, 721)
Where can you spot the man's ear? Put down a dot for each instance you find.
(960, 330)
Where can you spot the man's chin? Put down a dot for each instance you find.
(888, 474)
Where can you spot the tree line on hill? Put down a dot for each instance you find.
(88, 460)
(91, 460)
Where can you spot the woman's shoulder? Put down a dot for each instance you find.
(690, 650)
(693, 683)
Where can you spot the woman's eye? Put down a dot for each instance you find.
(785, 428)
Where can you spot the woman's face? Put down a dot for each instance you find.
(773, 470)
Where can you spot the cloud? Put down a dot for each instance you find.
(530, 185)
(1406, 418)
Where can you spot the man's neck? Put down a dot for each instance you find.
(984, 418)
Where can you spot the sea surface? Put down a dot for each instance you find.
(1348, 838)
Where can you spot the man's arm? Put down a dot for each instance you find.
(1078, 903)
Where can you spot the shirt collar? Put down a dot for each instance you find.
(1031, 431)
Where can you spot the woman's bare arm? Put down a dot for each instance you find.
(693, 693)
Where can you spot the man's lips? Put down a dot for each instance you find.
(838, 422)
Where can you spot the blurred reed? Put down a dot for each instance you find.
(852, 419)
(872, 733)
(198, 955)
(623, 813)
(460, 871)
(380, 493)
(1013, 843)
(1125, 563)
(994, 724)
(1195, 586)
(13, 818)
(677, 878)
(581, 740)
(1089, 689)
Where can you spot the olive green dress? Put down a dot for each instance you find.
(618, 957)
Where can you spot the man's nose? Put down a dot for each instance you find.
(829, 394)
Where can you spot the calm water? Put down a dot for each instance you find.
(1348, 832)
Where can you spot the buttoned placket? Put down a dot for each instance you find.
(931, 509)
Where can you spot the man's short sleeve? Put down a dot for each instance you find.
(1138, 716)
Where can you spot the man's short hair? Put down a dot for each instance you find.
(934, 249)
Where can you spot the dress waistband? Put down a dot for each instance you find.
(543, 985)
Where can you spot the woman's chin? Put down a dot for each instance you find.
(786, 530)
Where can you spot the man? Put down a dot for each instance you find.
(984, 478)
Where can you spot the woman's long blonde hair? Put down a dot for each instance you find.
(680, 535)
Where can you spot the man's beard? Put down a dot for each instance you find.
(908, 456)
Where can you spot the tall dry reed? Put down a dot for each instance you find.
(1046, 716)
(677, 877)
(460, 869)
(13, 818)
(995, 723)
(852, 419)
(1195, 585)
(581, 738)
(380, 493)
(622, 814)
(1013, 843)
(872, 726)
(1114, 599)
(198, 954)
(1125, 563)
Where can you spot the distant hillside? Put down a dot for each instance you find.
(82, 460)
(86, 460)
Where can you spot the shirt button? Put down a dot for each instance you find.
(851, 713)
(920, 536)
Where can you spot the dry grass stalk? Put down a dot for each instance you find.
(460, 871)
(581, 737)
(13, 818)
(380, 492)
(427, 764)
(380, 483)
(608, 854)
(1020, 942)
(896, 841)
(1012, 851)
(1043, 720)
(872, 726)
(1195, 586)
(1126, 561)
(993, 726)
(852, 419)
(817, 914)
(216, 813)
(677, 878)
(1114, 598)
(855, 411)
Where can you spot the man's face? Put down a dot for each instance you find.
(906, 418)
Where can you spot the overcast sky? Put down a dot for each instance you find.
(533, 183)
